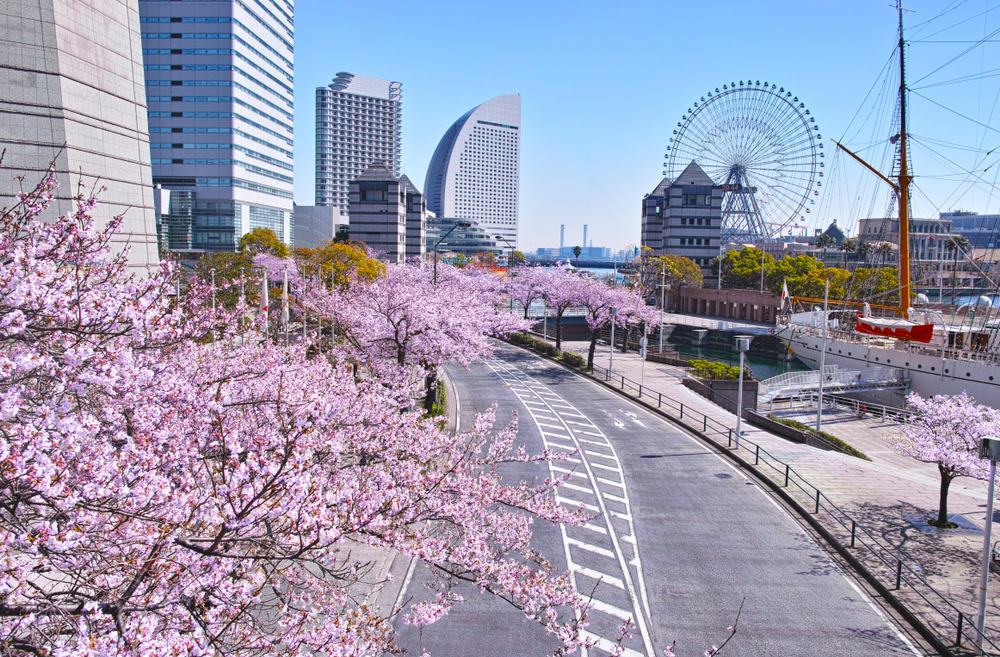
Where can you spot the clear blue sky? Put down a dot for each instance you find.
(603, 85)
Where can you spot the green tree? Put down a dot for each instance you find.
(516, 259)
(956, 244)
(741, 269)
(824, 242)
(848, 246)
(674, 270)
(347, 260)
(263, 240)
(577, 251)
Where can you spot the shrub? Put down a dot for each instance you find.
(573, 359)
(707, 369)
(828, 437)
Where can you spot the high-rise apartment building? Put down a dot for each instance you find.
(359, 120)
(475, 170)
(73, 96)
(219, 84)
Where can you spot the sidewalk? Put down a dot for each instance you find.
(881, 495)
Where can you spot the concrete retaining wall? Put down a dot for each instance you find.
(785, 431)
(724, 393)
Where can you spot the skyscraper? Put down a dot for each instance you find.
(475, 170)
(73, 95)
(359, 120)
(219, 84)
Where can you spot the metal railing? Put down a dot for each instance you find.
(833, 377)
(857, 406)
(896, 578)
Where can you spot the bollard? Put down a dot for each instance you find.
(623, 383)
(786, 475)
(756, 458)
(853, 528)
(730, 438)
(704, 424)
(899, 573)
(682, 411)
(817, 501)
(958, 639)
(640, 391)
(659, 403)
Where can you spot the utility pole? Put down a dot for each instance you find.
(822, 356)
(989, 448)
(611, 365)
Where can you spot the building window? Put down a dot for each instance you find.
(373, 195)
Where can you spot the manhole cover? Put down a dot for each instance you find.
(723, 475)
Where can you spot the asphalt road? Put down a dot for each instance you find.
(679, 541)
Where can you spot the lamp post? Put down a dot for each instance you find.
(509, 261)
(989, 448)
(742, 344)
(458, 224)
(611, 364)
(663, 279)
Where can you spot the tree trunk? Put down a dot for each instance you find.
(526, 310)
(946, 477)
(559, 330)
(430, 391)
(593, 348)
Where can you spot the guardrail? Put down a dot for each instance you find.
(938, 620)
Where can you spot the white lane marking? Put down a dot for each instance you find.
(580, 489)
(582, 505)
(610, 609)
(636, 590)
(590, 548)
(592, 442)
(614, 498)
(594, 528)
(572, 473)
(601, 466)
(602, 577)
(878, 611)
(608, 646)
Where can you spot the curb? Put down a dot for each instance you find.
(833, 541)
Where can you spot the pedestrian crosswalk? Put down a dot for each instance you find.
(602, 554)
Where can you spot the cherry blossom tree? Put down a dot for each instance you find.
(563, 289)
(527, 285)
(947, 432)
(160, 494)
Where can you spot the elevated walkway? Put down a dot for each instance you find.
(835, 381)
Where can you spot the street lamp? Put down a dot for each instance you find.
(459, 224)
(510, 260)
(611, 364)
(989, 448)
(742, 344)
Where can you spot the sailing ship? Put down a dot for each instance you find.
(937, 355)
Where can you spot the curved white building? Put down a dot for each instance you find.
(475, 171)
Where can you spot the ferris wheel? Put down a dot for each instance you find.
(762, 145)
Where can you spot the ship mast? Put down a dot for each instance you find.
(904, 181)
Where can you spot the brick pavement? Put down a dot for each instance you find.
(882, 495)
